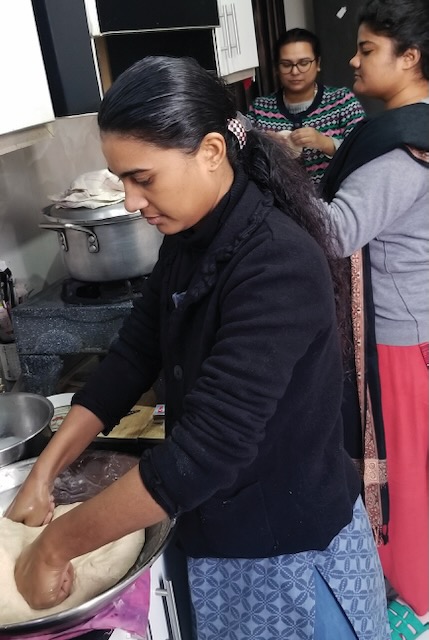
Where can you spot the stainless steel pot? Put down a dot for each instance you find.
(96, 469)
(104, 244)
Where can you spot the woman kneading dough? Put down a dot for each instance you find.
(239, 313)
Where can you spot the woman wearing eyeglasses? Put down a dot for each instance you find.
(315, 118)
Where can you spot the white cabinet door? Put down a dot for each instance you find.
(158, 628)
(25, 100)
(163, 617)
(235, 39)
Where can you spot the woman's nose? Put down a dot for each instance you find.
(134, 201)
(354, 62)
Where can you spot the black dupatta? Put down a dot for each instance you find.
(408, 128)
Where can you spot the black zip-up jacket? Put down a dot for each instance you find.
(241, 319)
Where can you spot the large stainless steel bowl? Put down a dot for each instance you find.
(89, 474)
(24, 425)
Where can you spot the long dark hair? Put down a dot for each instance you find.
(173, 103)
(297, 35)
(406, 22)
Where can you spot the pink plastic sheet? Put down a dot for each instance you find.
(129, 612)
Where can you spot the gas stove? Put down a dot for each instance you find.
(100, 293)
(48, 329)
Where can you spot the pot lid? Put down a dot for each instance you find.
(82, 215)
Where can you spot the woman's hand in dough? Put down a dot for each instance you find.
(33, 505)
(44, 581)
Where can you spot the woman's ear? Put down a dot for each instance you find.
(213, 150)
(411, 57)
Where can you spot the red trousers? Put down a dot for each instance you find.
(404, 395)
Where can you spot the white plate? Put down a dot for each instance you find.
(62, 403)
(61, 399)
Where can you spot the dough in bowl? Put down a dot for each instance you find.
(95, 572)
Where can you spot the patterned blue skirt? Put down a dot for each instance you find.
(275, 599)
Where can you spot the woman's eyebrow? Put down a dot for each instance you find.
(130, 172)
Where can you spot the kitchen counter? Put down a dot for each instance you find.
(134, 433)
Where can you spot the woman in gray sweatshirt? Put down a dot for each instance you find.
(377, 198)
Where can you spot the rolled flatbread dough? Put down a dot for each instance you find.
(95, 572)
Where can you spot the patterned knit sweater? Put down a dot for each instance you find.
(334, 112)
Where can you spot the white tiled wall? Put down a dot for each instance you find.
(27, 177)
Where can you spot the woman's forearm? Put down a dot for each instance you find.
(78, 430)
(122, 508)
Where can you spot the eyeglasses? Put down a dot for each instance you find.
(286, 66)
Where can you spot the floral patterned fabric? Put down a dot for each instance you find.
(274, 598)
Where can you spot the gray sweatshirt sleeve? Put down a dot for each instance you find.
(373, 197)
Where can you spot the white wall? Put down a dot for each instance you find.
(27, 177)
(299, 13)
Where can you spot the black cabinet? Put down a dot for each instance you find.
(337, 32)
(67, 55)
(123, 51)
(80, 68)
(139, 15)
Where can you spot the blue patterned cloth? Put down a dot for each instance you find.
(274, 598)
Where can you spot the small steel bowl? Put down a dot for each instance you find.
(24, 426)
